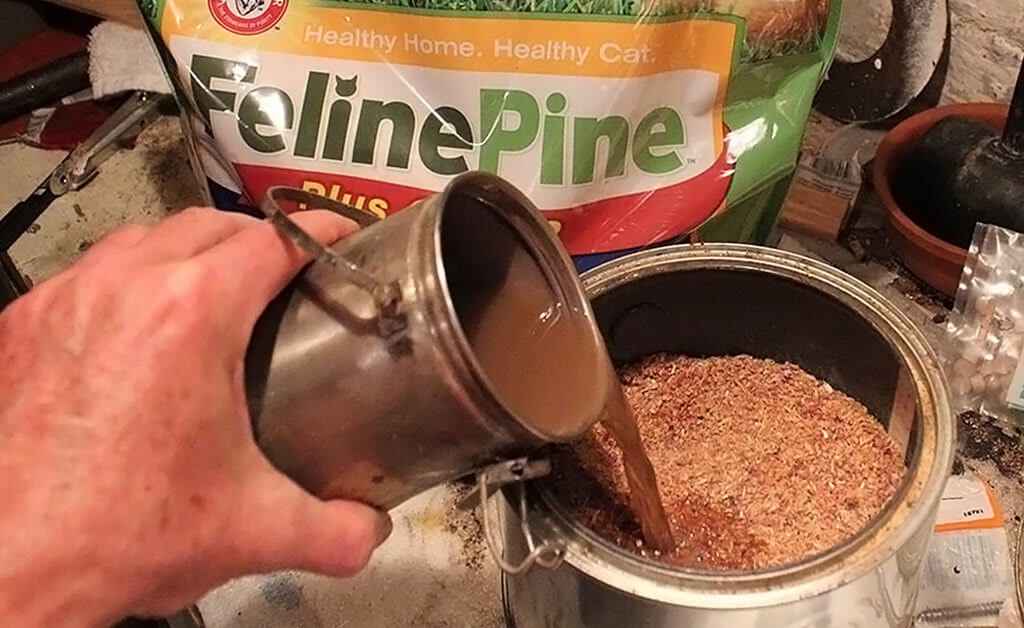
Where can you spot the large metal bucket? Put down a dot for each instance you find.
(361, 378)
(726, 299)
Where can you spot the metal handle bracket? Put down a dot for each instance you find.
(386, 297)
(502, 473)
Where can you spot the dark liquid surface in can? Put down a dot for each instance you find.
(538, 355)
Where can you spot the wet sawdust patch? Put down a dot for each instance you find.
(759, 463)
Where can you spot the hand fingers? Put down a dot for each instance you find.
(118, 240)
(191, 232)
(257, 262)
(291, 529)
(178, 237)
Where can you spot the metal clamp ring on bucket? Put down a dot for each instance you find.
(386, 297)
(547, 555)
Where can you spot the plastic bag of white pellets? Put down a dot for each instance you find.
(986, 327)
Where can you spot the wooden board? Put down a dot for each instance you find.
(814, 211)
(125, 11)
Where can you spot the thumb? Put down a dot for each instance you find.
(298, 531)
(257, 262)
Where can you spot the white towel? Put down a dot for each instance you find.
(122, 58)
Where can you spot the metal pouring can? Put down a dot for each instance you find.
(450, 336)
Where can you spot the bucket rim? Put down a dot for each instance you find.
(909, 511)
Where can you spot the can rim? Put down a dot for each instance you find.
(910, 510)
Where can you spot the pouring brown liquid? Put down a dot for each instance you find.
(644, 497)
(540, 356)
(537, 336)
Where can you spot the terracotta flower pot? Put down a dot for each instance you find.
(936, 262)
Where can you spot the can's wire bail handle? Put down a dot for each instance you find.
(548, 555)
(386, 296)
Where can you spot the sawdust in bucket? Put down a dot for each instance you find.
(759, 464)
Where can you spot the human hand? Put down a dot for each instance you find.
(130, 479)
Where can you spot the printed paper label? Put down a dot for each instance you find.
(966, 573)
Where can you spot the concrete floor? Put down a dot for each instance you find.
(140, 185)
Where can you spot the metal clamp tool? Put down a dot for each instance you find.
(516, 471)
(75, 171)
